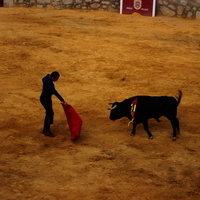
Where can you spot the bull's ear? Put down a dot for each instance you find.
(110, 103)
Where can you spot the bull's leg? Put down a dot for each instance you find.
(177, 125)
(146, 128)
(134, 128)
(174, 127)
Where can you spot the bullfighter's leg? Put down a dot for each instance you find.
(134, 128)
(146, 128)
(47, 103)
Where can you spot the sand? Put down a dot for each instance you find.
(102, 57)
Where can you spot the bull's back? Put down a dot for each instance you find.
(155, 107)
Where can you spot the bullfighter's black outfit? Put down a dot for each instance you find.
(45, 98)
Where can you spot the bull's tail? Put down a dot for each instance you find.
(178, 97)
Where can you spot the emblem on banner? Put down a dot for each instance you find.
(137, 4)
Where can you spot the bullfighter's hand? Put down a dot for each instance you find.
(64, 103)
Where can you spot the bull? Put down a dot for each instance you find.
(139, 109)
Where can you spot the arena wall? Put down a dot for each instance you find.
(173, 8)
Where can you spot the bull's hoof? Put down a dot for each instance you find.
(151, 137)
(132, 134)
(174, 138)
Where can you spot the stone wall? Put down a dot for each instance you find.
(110, 5)
(179, 8)
(173, 8)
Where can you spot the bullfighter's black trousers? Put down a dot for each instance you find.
(46, 101)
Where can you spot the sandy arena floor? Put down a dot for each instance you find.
(102, 57)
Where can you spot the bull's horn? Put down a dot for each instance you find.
(112, 107)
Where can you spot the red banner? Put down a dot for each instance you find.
(74, 121)
(143, 7)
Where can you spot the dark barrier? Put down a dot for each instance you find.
(1, 3)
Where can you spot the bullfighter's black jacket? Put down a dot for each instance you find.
(49, 88)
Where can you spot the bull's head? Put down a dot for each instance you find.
(113, 107)
(115, 111)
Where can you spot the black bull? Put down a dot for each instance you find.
(148, 107)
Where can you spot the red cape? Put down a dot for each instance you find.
(74, 121)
